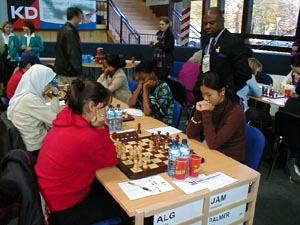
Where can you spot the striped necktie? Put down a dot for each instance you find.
(211, 45)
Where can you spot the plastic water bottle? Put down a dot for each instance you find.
(119, 118)
(110, 118)
(54, 81)
(185, 152)
(174, 152)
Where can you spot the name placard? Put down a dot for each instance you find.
(228, 216)
(227, 197)
(180, 214)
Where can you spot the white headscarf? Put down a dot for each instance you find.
(33, 81)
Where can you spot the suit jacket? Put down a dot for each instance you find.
(229, 58)
(36, 43)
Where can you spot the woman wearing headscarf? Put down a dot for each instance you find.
(28, 110)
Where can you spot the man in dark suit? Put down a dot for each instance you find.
(223, 53)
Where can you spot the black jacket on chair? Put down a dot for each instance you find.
(18, 166)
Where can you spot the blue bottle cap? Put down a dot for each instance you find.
(184, 141)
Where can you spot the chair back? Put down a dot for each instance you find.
(178, 90)
(11, 137)
(255, 144)
(287, 126)
(133, 85)
(18, 165)
(176, 114)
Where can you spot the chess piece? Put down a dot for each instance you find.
(139, 128)
(145, 165)
(135, 165)
(125, 115)
(123, 154)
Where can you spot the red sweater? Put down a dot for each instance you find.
(70, 155)
(13, 83)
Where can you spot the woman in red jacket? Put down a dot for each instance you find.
(77, 146)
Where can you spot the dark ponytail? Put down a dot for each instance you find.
(82, 91)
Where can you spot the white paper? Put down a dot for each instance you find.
(212, 182)
(278, 101)
(61, 102)
(134, 112)
(135, 189)
(165, 130)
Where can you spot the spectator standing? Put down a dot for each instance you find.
(163, 48)
(114, 77)
(27, 60)
(31, 41)
(223, 53)
(68, 56)
(11, 55)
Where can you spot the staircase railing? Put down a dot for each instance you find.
(129, 35)
(117, 20)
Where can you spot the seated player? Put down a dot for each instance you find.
(292, 106)
(27, 108)
(259, 111)
(78, 144)
(27, 60)
(219, 118)
(293, 78)
(252, 88)
(152, 95)
(114, 77)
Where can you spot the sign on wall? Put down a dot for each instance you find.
(49, 14)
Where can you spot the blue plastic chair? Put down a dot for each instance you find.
(133, 85)
(255, 145)
(176, 114)
(111, 221)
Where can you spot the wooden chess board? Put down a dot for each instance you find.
(158, 158)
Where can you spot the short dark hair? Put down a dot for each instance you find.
(30, 25)
(82, 91)
(146, 66)
(216, 82)
(295, 61)
(115, 61)
(72, 12)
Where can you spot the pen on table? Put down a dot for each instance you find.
(144, 188)
(216, 175)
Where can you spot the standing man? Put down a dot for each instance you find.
(68, 60)
(223, 53)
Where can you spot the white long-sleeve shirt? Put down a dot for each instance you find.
(32, 117)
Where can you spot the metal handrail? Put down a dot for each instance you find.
(121, 25)
(177, 18)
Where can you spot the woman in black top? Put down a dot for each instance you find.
(163, 48)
